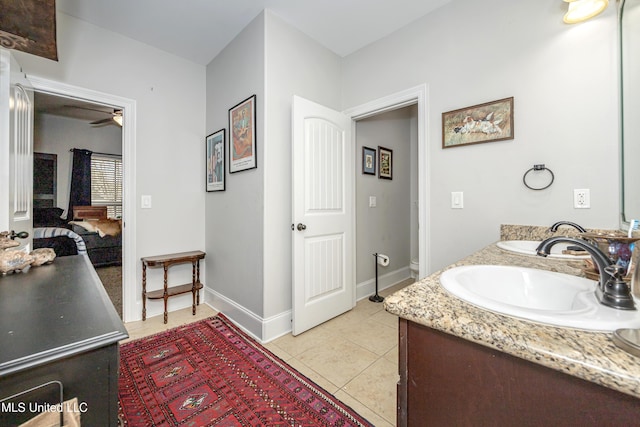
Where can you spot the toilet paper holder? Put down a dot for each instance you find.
(383, 260)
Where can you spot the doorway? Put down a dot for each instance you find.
(414, 96)
(386, 200)
(417, 96)
(61, 127)
(128, 290)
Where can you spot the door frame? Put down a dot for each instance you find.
(128, 106)
(416, 95)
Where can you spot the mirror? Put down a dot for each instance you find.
(629, 15)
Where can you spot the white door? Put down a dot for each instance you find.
(323, 231)
(16, 147)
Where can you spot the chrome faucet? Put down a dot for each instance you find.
(612, 290)
(555, 226)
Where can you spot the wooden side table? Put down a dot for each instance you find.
(166, 261)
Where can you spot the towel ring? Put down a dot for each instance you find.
(538, 168)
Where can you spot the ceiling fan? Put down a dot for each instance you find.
(116, 116)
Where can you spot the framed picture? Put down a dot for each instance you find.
(385, 163)
(215, 161)
(242, 136)
(492, 121)
(368, 161)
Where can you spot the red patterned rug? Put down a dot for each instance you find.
(210, 373)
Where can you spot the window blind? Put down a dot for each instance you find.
(106, 183)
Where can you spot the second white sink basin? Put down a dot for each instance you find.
(537, 295)
(528, 247)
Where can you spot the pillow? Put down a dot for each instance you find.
(47, 216)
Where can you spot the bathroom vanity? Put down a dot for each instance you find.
(462, 365)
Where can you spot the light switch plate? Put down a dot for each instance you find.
(373, 202)
(145, 202)
(457, 200)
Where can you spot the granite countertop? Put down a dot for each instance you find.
(591, 356)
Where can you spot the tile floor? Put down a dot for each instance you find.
(354, 356)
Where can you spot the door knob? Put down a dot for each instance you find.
(301, 226)
(19, 235)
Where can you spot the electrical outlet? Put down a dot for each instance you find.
(582, 198)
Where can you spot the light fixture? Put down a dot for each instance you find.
(581, 10)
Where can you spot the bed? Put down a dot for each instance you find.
(89, 223)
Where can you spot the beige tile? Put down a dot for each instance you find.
(303, 342)
(278, 351)
(362, 410)
(369, 334)
(376, 388)
(338, 360)
(361, 312)
(364, 306)
(386, 318)
(392, 355)
(313, 376)
(155, 324)
(396, 287)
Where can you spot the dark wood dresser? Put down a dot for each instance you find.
(57, 324)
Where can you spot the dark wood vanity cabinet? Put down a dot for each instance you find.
(446, 381)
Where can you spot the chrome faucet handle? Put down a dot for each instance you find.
(613, 291)
(557, 225)
(616, 292)
(616, 271)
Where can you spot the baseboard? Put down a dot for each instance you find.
(367, 288)
(261, 329)
(268, 329)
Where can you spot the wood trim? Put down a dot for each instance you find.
(89, 212)
(403, 370)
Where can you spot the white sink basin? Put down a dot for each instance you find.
(537, 295)
(528, 247)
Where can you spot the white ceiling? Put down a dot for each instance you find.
(69, 107)
(199, 29)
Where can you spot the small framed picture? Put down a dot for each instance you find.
(242, 136)
(368, 161)
(385, 163)
(215, 161)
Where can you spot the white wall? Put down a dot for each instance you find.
(58, 135)
(169, 93)
(564, 82)
(248, 225)
(234, 220)
(294, 65)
